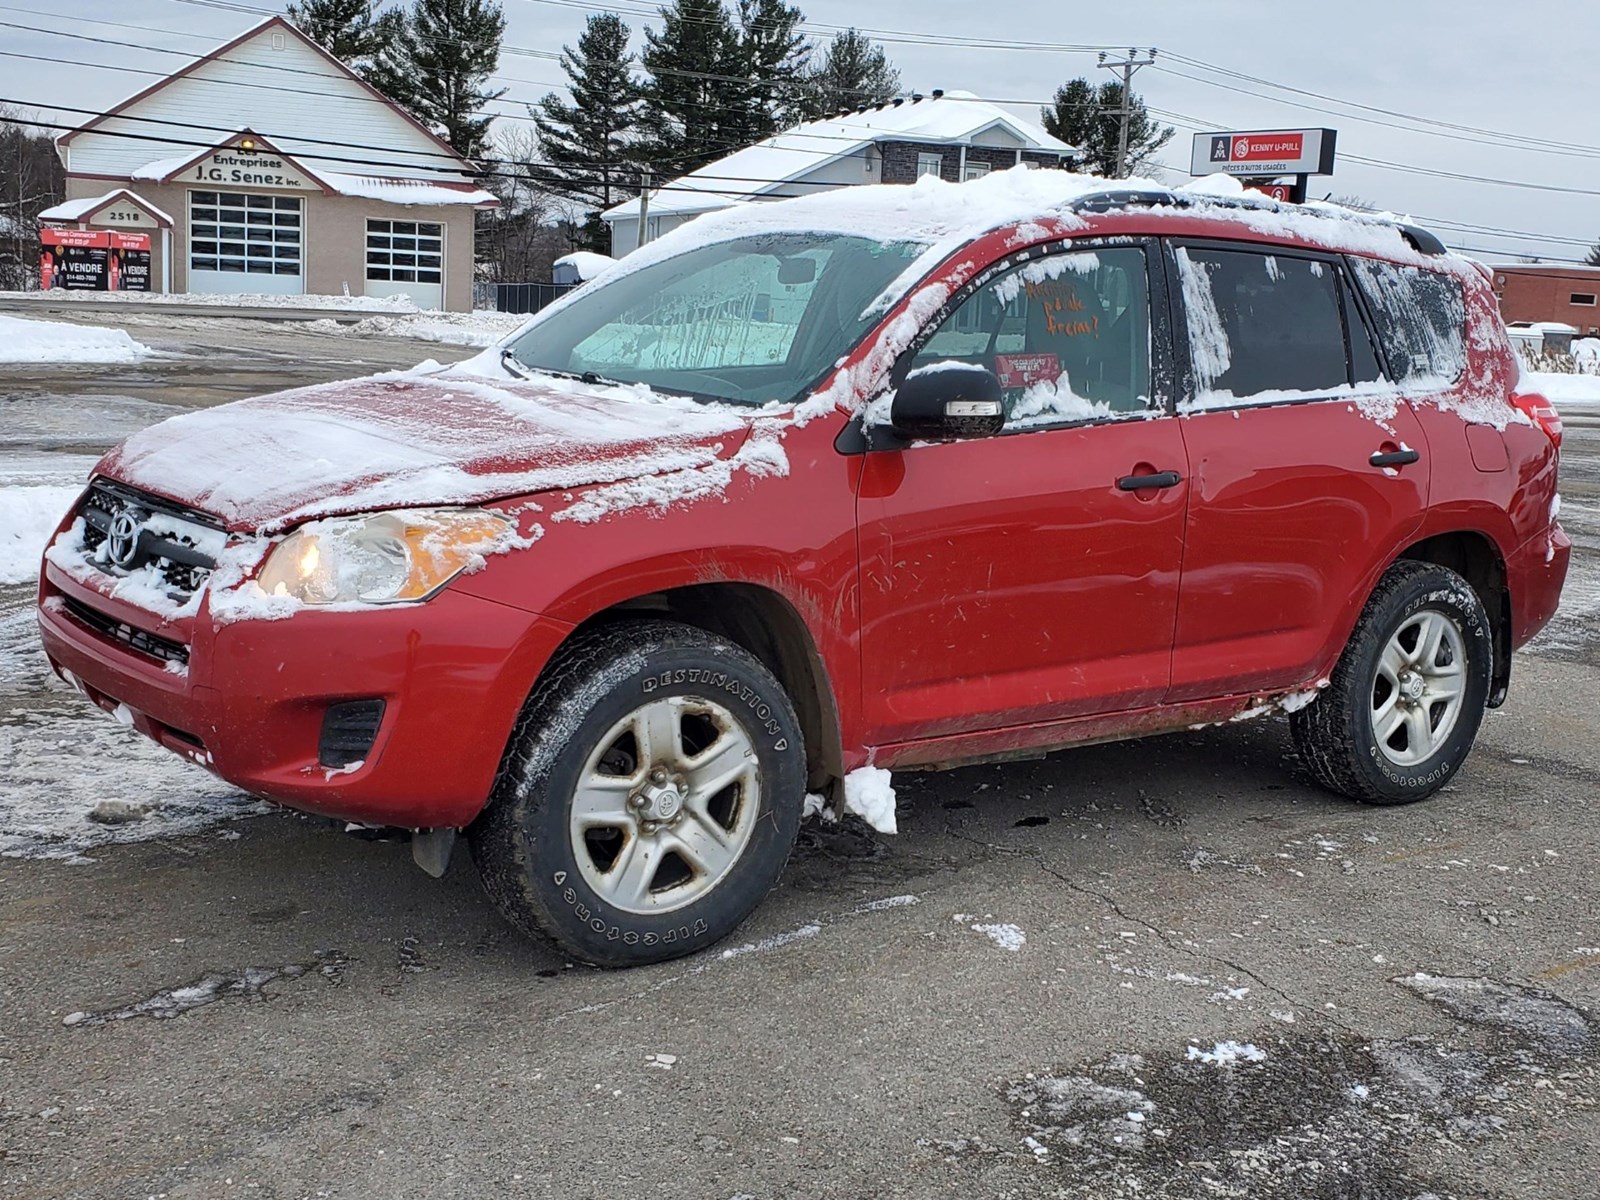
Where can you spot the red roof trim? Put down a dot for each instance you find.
(255, 30)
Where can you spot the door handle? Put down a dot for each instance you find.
(1394, 458)
(1161, 479)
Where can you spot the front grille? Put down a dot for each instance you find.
(348, 730)
(174, 547)
(164, 649)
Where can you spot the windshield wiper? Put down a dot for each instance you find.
(512, 364)
(521, 370)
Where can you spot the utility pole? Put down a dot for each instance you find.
(644, 208)
(1127, 66)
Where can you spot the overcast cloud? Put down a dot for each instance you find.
(1529, 71)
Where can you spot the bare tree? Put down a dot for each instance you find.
(31, 180)
(518, 242)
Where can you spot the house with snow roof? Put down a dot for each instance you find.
(954, 135)
(267, 166)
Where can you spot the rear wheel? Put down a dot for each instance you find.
(1403, 706)
(650, 798)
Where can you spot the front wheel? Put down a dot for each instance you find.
(650, 797)
(1403, 706)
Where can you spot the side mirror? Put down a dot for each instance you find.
(948, 400)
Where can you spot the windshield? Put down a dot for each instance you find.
(754, 320)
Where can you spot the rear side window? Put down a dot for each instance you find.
(1420, 316)
(1261, 323)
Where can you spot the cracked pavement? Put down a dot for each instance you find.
(320, 1019)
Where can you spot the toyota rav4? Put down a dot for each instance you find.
(887, 478)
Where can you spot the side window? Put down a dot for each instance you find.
(1261, 323)
(1068, 335)
(1420, 316)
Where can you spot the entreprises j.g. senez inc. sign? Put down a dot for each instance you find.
(1264, 152)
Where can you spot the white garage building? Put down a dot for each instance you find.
(269, 167)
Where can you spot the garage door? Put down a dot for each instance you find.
(406, 258)
(240, 243)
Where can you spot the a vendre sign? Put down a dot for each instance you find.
(94, 260)
(1264, 152)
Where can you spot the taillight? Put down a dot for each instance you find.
(1541, 412)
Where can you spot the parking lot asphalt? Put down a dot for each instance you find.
(1171, 968)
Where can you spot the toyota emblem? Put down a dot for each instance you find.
(122, 543)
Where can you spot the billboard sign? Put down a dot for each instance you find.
(94, 260)
(229, 167)
(1264, 152)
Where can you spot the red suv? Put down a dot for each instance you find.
(892, 477)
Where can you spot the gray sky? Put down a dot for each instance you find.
(1530, 74)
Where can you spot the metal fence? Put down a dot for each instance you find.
(518, 297)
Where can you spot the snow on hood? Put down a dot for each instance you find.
(424, 437)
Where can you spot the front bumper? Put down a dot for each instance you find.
(453, 674)
(1535, 573)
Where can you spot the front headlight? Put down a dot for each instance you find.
(382, 558)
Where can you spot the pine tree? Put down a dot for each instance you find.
(584, 141)
(854, 73)
(1090, 118)
(353, 31)
(1593, 260)
(695, 93)
(439, 65)
(773, 57)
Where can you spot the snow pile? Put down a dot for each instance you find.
(374, 304)
(477, 329)
(869, 793)
(24, 340)
(1566, 392)
(28, 516)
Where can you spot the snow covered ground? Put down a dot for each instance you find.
(24, 340)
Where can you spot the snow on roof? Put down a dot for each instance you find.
(405, 191)
(951, 119)
(77, 210)
(587, 263)
(159, 169)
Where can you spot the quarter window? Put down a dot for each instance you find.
(405, 251)
(1261, 324)
(254, 235)
(1420, 316)
(1068, 335)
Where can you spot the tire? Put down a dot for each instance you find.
(1363, 736)
(611, 832)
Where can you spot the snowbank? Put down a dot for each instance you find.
(30, 341)
(1564, 391)
(28, 516)
(869, 793)
(376, 304)
(476, 329)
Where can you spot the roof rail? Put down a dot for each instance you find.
(1419, 239)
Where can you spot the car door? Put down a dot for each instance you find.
(1306, 471)
(1031, 575)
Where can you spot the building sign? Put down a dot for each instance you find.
(1264, 152)
(240, 168)
(128, 264)
(125, 214)
(94, 260)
